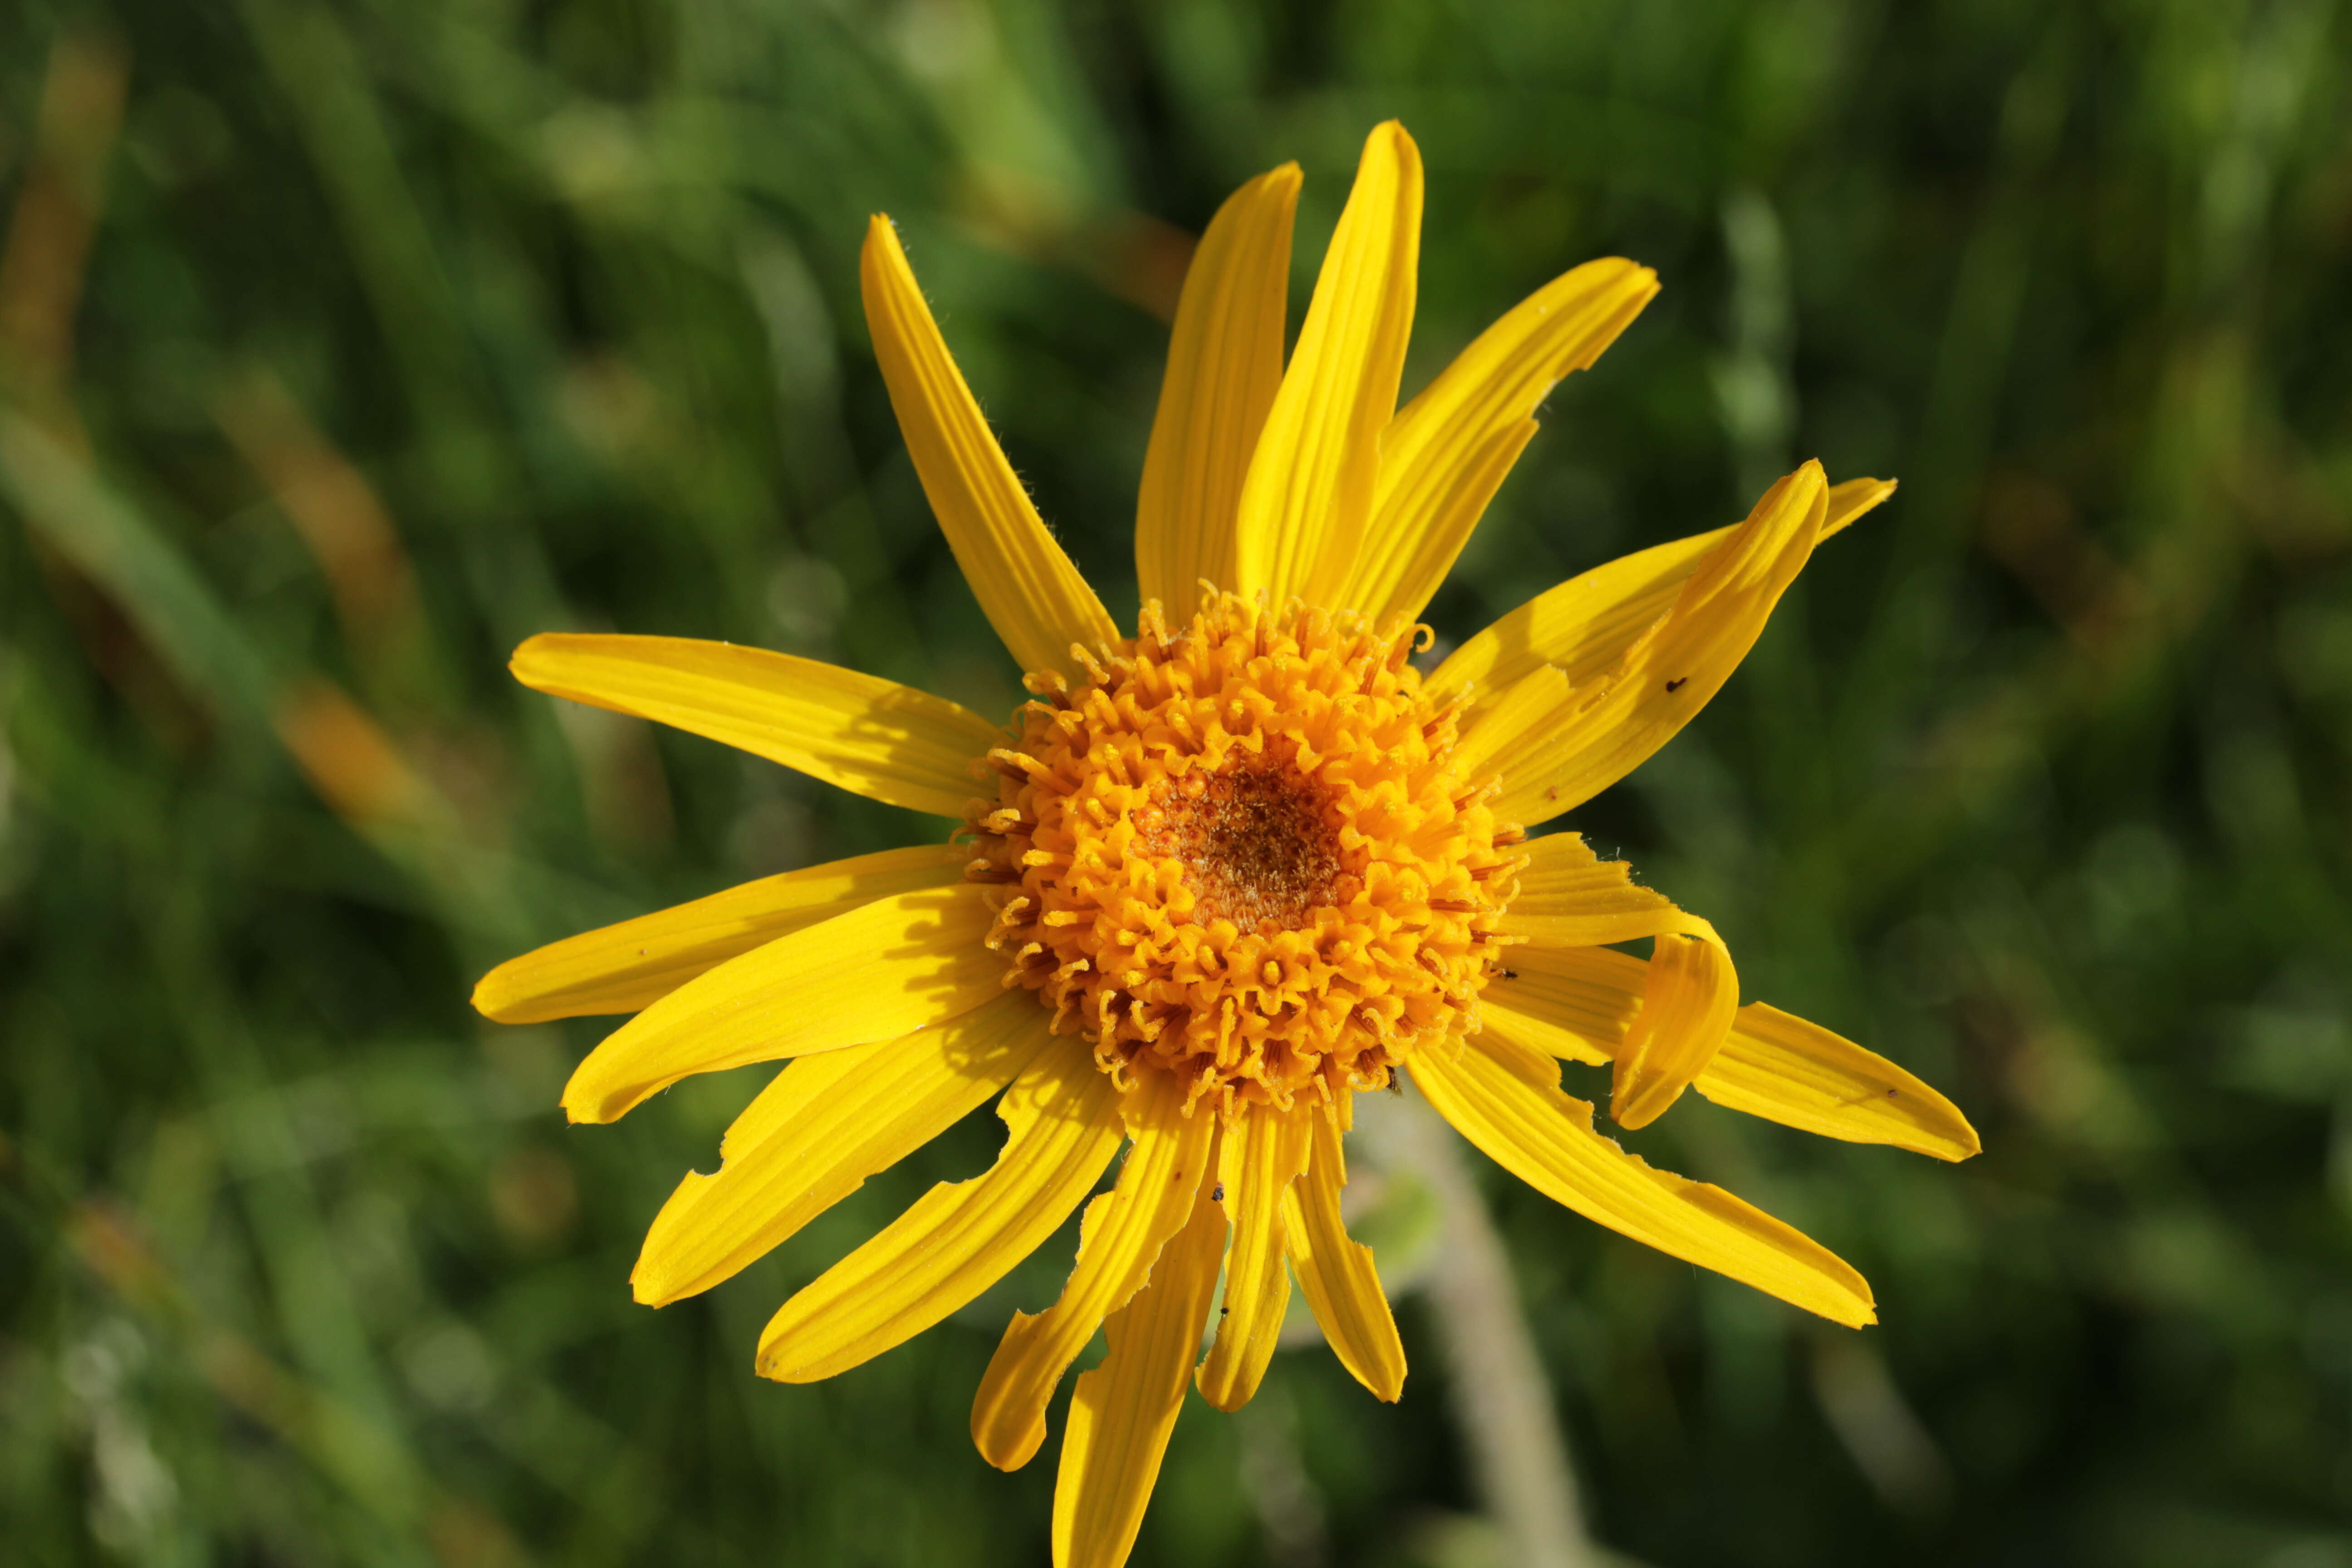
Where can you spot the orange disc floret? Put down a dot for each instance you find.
(1240, 853)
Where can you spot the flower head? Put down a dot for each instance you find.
(1219, 876)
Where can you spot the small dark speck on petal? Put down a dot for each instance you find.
(1219, 1196)
(1676, 684)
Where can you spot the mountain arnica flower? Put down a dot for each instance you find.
(1220, 877)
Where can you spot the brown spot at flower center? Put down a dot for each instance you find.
(1257, 844)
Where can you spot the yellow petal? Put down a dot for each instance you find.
(1609, 727)
(1122, 1411)
(883, 970)
(1569, 896)
(1572, 900)
(634, 964)
(1030, 593)
(875, 737)
(1062, 1127)
(1505, 1101)
(1687, 1001)
(1448, 450)
(819, 1130)
(1589, 992)
(1848, 502)
(1538, 1032)
(1781, 1067)
(1432, 539)
(1579, 1003)
(1584, 627)
(1122, 1234)
(1260, 1161)
(1795, 1073)
(1495, 728)
(1225, 362)
(1335, 1274)
(1311, 479)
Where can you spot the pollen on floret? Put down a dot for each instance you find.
(1239, 852)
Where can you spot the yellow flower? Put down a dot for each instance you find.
(1232, 870)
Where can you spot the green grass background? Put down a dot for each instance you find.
(343, 346)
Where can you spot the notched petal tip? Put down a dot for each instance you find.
(772, 1362)
(522, 663)
(1640, 1102)
(486, 998)
(641, 1290)
(1968, 1145)
(583, 1106)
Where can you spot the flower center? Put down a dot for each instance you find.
(1239, 853)
(1257, 844)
